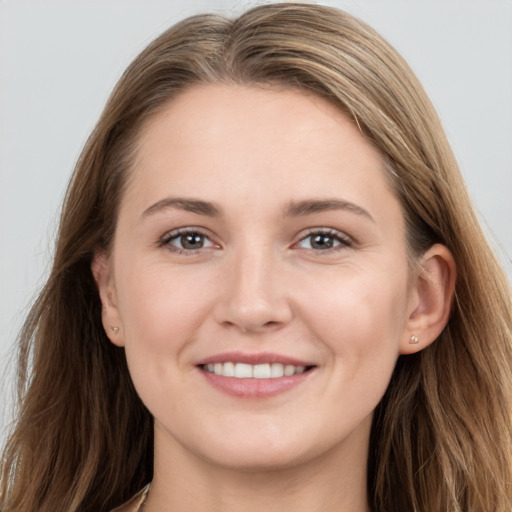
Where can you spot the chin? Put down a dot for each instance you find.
(258, 451)
(257, 460)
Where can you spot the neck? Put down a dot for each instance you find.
(335, 480)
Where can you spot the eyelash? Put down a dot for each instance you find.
(166, 240)
(344, 240)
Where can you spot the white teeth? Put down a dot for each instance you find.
(261, 371)
(257, 371)
(242, 371)
(228, 370)
(289, 370)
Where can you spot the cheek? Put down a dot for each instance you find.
(161, 312)
(360, 321)
(361, 327)
(359, 297)
(155, 302)
(160, 316)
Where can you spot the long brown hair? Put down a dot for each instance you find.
(442, 435)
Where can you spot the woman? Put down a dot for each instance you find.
(270, 291)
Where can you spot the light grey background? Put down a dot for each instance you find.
(60, 59)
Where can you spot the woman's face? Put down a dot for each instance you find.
(259, 277)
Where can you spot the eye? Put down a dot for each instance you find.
(324, 240)
(186, 240)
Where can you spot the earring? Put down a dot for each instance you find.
(115, 329)
(414, 340)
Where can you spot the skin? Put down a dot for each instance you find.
(260, 284)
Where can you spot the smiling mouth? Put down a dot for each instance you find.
(256, 371)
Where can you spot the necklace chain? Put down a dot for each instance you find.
(144, 498)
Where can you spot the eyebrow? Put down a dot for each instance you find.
(294, 209)
(186, 204)
(309, 207)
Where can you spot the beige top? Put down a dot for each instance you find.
(134, 504)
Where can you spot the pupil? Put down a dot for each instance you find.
(192, 241)
(322, 242)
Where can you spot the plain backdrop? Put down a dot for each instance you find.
(60, 59)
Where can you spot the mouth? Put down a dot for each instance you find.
(255, 371)
(258, 375)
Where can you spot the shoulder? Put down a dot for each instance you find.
(135, 502)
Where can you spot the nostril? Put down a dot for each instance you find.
(247, 326)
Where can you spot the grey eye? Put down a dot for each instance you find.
(187, 240)
(321, 241)
(190, 241)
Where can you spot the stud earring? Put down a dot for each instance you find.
(414, 340)
(115, 329)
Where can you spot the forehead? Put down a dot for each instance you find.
(252, 141)
(216, 111)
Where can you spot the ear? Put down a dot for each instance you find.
(103, 275)
(431, 300)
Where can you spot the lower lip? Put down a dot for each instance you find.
(254, 388)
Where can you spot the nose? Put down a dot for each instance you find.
(254, 296)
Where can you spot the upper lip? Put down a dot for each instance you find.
(253, 358)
